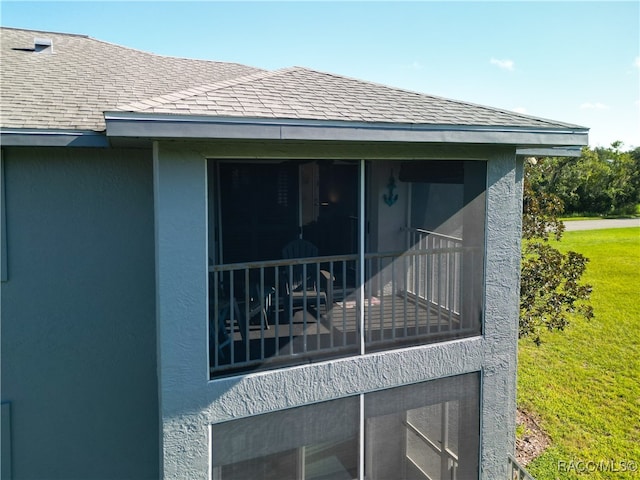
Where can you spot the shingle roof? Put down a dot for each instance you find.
(83, 77)
(71, 87)
(302, 93)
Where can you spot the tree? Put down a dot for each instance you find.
(550, 289)
(601, 181)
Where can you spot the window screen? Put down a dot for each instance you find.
(312, 442)
(429, 430)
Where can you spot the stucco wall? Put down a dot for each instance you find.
(501, 310)
(190, 403)
(78, 314)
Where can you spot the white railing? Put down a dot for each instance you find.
(436, 278)
(282, 312)
(448, 465)
(258, 316)
(517, 471)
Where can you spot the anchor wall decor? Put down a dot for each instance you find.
(391, 198)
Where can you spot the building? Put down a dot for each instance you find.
(215, 271)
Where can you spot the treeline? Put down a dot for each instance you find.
(602, 181)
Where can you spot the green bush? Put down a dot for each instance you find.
(550, 288)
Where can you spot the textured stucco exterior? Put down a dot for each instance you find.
(190, 403)
(502, 299)
(82, 359)
(78, 331)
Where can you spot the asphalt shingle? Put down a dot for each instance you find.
(302, 93)
(73, 86)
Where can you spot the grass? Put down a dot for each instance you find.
(584, 383)
(581, 217)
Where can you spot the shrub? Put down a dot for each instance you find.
(550, 288)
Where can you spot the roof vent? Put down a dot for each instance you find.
(43, 45)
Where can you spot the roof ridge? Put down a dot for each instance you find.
(118, 45)
(160, 55)
(197, 90)
(369, 82)
(45, 31)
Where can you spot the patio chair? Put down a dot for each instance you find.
(225, 337)
(260, 304)
(298, 286)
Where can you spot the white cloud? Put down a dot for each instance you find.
(520, 110)
(504, 64)
(416, 65)
(636, 62)
(594, 106)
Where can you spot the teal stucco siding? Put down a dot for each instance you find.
(78, 313)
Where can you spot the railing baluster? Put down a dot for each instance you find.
(406, 294)
(216, 322)
(444, 428)
(460, 260)
(290, 312)
(276, 308)
(381, 286)
(429, 291)
(232, 313)
(261, 313)
(247, 300)
(432, 276)
(304, 307)
(318, 289)
(393, 299)
(456, 286)
(344, 303)
(416, 274)
(368, 312)
(450, 288)
(424, 261)
(330, 304)
(439, 291)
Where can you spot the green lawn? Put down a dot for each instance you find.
(584, 383)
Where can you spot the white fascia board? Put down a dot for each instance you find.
(158, 126)
(31, 137)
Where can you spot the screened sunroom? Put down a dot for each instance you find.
(318, 259)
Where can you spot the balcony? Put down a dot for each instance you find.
(396, 258)
(259, 320)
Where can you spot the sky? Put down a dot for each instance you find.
(575, 61)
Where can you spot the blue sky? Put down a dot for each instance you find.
(576, 62)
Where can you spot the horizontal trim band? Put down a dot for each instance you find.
(17, 137)
(128, 125)
(190, 127)
(550, 152)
